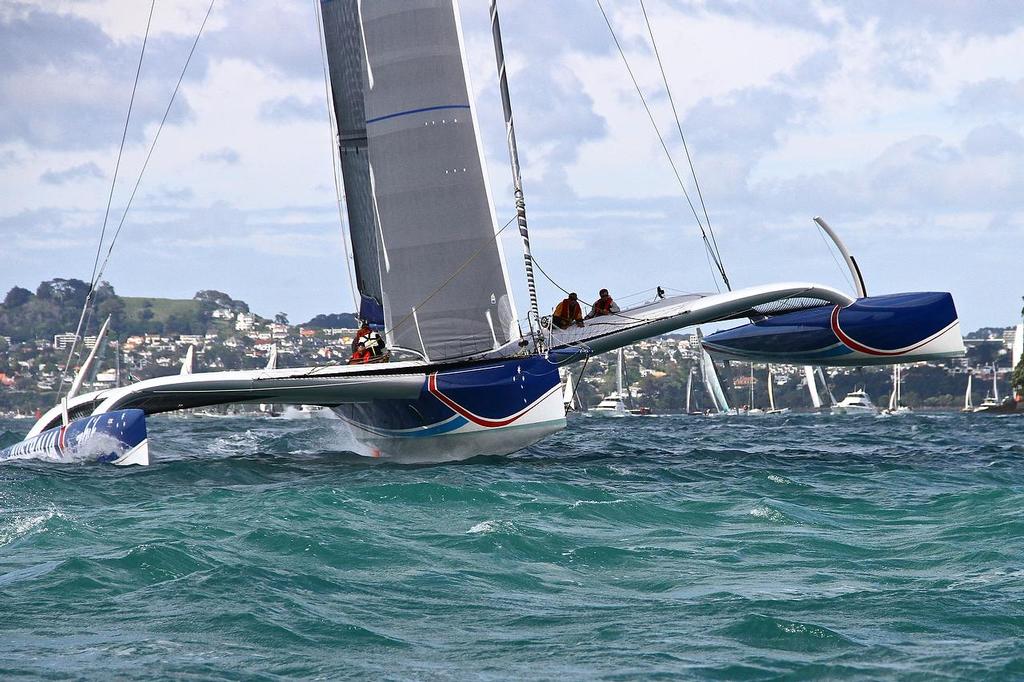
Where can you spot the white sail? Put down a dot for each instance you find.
(812, 386)
(711, 380)
(995, 382)
(188, 363)
(1018, 345)
(689, 388)
(821, 375)
(443, 276)
(968, 400)
(771, 390)
(893, 396)
(568, 389)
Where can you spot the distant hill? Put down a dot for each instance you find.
(55, 305)
(333, 321)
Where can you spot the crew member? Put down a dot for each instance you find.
(359, 355)
(603, 305)
(373, 343)
(567, 313)
(364, 330)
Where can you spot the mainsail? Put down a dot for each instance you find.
(441, 271)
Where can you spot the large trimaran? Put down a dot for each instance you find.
(430, 271)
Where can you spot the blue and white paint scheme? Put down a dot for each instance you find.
(877, 330)
(116, 437)
(486, 409)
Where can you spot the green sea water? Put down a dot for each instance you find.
(650, 548)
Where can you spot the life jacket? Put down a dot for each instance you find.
(360, 356)
(569, 310)
(603, 306)
(374, 344)
(360, 335)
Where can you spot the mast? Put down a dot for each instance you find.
(513, 155)
(750, 405)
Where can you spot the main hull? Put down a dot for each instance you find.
(489, 409)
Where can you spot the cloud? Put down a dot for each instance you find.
(994, 95)
(83, 171)
(293, 108)
(222, 155)
(66, 84)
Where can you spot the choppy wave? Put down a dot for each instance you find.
(675, 547)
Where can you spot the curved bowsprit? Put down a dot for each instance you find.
(877, 330)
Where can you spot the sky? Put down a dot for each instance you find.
(899, 122)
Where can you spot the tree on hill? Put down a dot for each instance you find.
(214, 300)
(333, 321)
(16, 298)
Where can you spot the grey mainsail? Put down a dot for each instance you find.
(444, 282)
(343, 43)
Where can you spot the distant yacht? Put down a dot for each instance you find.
(992, 404)
(968, 401)
(896, 405)
(614, 404)
(855, 402)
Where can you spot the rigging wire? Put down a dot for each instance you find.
(110, 199)
(686, 148)
(156, 137)
(338, 192)
(664, 146)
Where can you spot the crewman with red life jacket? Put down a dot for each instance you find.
(567, 313)
(603, 305)
(360, 356)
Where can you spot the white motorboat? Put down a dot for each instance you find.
(614, 404)
(855, 402)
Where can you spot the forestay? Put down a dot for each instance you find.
(443, 275)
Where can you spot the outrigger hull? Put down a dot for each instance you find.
(877, 330)
(117, 437)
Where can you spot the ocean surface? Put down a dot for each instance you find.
(655, 548)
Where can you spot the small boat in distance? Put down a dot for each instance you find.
(968, 401)
(896, 405)
(992, 404)
(855, 402)
(614, 404)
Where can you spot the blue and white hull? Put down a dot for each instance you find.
(117, 437)
(488, 409)
(878, 330)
